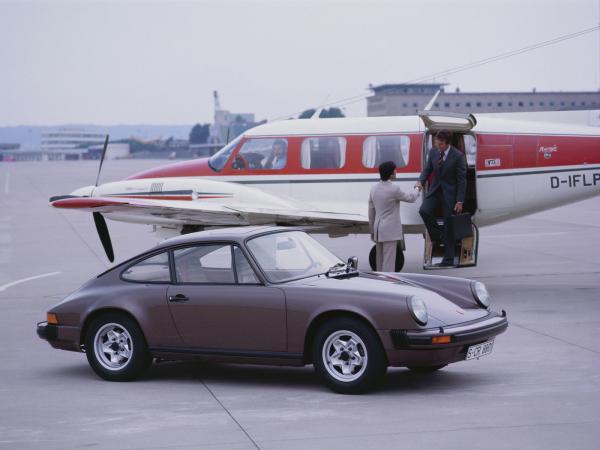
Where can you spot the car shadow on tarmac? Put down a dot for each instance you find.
(253, 376)
(396, 379)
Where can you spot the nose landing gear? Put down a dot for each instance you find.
(399, 258)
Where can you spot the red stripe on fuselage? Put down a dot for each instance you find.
(509, 151)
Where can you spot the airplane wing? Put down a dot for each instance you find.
(208, 214)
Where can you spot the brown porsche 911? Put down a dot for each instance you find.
(271, 295)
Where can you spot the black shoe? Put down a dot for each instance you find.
(446, 264)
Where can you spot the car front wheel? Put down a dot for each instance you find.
(116, 348)
(348, 356)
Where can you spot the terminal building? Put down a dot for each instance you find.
(67, 144)
(69, 141)
(407, 99)
(227, 125)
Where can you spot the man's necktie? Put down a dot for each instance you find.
(441, 159)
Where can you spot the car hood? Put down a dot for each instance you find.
(444, 310)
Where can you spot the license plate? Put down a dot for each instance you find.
(479, 350)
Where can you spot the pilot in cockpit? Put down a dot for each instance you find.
(278, 157)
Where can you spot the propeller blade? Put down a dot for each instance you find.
(104, 236)
(102, 159)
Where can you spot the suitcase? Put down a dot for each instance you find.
(460, 226)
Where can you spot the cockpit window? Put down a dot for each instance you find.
(219, 159)
(262, 154)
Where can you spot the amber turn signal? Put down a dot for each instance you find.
(51, 319)
(441, 339)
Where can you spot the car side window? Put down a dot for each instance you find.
(245, 272)
(151, 270)
(211, 264)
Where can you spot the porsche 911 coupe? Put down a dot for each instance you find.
(271, 295)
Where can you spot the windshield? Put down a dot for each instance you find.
(219, 159)
(291, 255)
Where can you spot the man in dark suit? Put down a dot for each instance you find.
(446, 190)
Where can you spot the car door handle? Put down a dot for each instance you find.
(178, 298)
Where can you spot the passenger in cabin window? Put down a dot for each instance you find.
(384, 216)
(278, 157)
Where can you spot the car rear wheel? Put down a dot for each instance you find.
(116, 348)
(348, 356)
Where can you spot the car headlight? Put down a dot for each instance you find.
(418, 308)
(481, 294)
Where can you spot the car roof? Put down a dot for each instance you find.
(237, 234)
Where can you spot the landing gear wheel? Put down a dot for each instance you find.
(425, 369)
(348, 356)
(399, 258)
(116, 348)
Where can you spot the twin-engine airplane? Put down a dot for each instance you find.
(318, 173)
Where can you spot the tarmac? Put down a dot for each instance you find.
(539, 389)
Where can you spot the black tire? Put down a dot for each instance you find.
(425, 369)
(399, 258)
(129, 340)
(362, 379)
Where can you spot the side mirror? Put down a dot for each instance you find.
(353, 263)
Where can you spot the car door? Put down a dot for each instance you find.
(218, 302)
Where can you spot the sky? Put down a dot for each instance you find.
(158, 62)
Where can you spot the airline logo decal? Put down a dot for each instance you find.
(548, 151)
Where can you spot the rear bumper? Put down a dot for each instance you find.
(59, 336)
(415, 347)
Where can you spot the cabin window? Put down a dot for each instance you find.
(323, 152)
(378, 149)
(268, 154)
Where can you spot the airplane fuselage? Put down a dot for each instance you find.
(515, 169)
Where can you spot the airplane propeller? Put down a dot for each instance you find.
(99, 220)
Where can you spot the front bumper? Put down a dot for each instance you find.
(415, 347)
(59, 336)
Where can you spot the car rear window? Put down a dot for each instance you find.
(150, 270)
